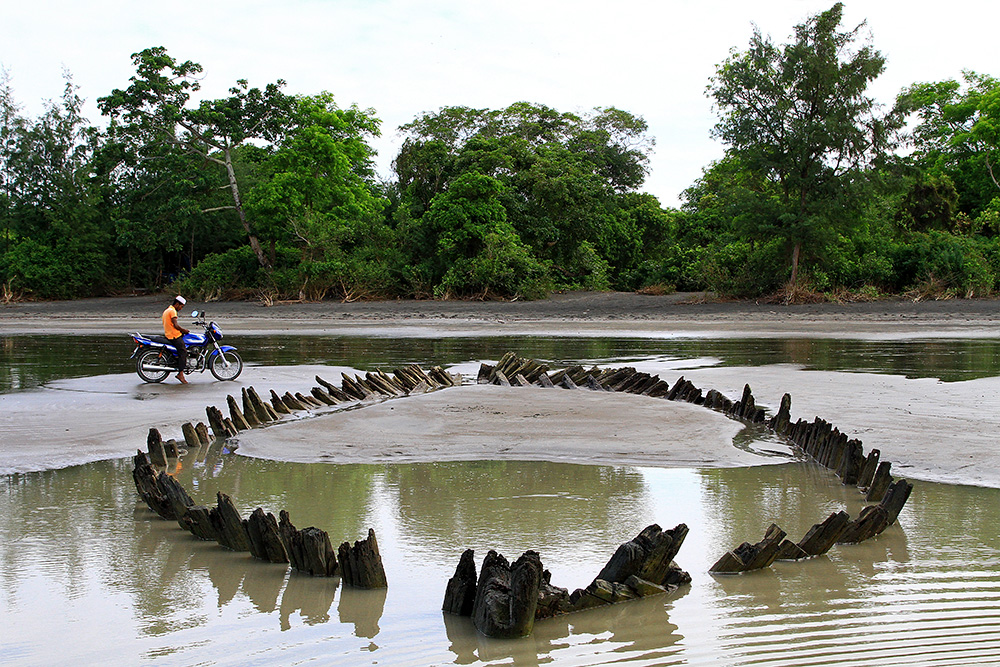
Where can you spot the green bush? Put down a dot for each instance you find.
(960, 265)
(852, 263)
(464, 246)
(63, 272)
(236, 273)
(740, 269)
(502, 268)
(678, 266)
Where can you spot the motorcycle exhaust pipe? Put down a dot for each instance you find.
(158, 368)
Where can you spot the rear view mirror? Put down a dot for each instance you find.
(194, 313)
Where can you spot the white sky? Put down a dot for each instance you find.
(402, 58)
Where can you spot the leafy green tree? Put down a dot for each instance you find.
(564, 177)
(11, 126)
(157, 208)
(958, 134)
(320, 190)
(55, 242)
(930, 202)
(465, 246)
(797, 117)
(153, 112)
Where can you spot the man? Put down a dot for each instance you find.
(174, 333)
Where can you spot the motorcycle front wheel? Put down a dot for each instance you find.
(152, 358)
(223, 372)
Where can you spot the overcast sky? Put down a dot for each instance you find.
(402, 58)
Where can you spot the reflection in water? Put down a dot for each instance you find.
(618, 629)
(451, 507)
(131, 588)
(29, 361)
(363, 608)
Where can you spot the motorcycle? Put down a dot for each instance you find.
(155, 358)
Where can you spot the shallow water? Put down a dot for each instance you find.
(30, 361)
(81, 559)
(88, 575)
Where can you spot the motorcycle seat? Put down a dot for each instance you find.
(159, 339)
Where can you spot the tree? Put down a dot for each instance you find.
(797, 117)
(320, 195)
(55, 242)
(153, 111)
(11, 127)
(958, 133)
(565, 177)
(465, 246)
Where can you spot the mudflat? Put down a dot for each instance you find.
(604, 313)
(929, 429)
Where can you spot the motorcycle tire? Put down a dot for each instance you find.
(219, 369)
(152, 358)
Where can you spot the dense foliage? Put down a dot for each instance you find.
(263, 194)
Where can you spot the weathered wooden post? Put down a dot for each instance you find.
(361, 564)
(197, 520)
(228, 525)
(191, 438)
(309, 550)
(202, 431)
(868, 469)
(747, 557)
(162, 493)
(249, 414)
(154, 445)
(460, 594)
(822, 536)
(264, 538)
(236, 415)
(507, 596)
(894, 499)
(278, 404)
(881, 482)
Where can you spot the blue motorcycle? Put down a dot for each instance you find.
(155, 358)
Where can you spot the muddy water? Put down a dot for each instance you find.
(30, 361)
(89, 576)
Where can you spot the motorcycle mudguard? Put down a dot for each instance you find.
(225, 348)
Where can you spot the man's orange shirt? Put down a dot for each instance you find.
(169, 330)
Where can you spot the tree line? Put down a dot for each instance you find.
(264, 194)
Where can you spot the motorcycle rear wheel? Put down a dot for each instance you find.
(153, 358)
(218, 366)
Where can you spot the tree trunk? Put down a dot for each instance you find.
(795, 262)
(235, 189)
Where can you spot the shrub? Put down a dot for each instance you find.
(678, 267)
(953, 265)
(739, 269)
(231, 274)
(503, 268)
(63, 272)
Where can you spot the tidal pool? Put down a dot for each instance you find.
(28, 361)
(88, 575)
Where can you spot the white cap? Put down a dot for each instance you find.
(179, 299)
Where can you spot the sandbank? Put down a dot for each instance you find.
(930, 430)
(572, 313)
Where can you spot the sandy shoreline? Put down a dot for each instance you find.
(573, 313)
(930, 430)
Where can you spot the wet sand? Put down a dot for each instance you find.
(572, 313)
(483, 422)
(930, 430)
